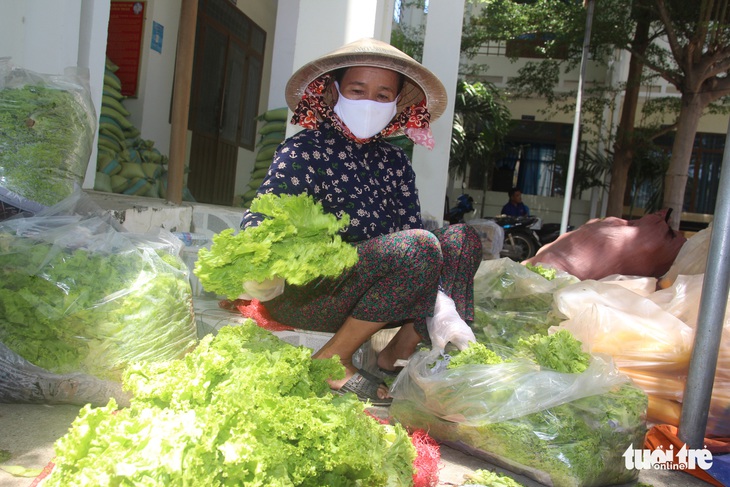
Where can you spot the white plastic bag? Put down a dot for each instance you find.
(643, 286)
(24, 383)
(557, 428)
(650, 338)
(504, 280)
(636, 332)
(692, 257)
(491, 235)
(478, 394)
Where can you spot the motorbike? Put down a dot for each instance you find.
(521, 240)
(523, 235)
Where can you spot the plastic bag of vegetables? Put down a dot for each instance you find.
(78, 295)
(25, 383)
(503, 284)
(47, 127)
(548, 411)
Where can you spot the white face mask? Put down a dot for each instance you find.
(364, 118)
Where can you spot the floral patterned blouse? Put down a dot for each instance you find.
(374, 183)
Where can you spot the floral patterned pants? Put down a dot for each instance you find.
(395, 281)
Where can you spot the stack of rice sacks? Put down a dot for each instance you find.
(126, 163)
(271, 134)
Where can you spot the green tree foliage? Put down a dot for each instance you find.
(692, 53)
(481, 122)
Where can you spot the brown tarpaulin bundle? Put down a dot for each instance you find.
(607, 246)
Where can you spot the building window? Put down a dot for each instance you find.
(536, 156)
(536, 46)
(703, 175)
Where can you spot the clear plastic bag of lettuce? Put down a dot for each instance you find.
(25, 383)
(513, 301)
(47, 127)
(503, 284)
(78, 294)
(562, 428)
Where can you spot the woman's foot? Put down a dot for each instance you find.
(400, 347)
(351, 335)
(365, 385)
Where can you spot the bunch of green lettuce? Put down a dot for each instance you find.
(548, 273)
(71, 309)
(243, 408)
(296, 240)
(46, 138)
(503, 329)
(492, 479)
(505, 285)
(475, 354)
(577, 442)
(514, 302)
(560, 351)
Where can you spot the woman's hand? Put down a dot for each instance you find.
(447, 326)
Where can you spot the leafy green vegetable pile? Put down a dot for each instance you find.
(577, 444)
(514, 301)
(546, 272)
(506, 328)
(491, 479)
(70, 309)
(577, 441)
(559, 351)
(46, 137)
(243, 408)
(475, 354)
(297, 241)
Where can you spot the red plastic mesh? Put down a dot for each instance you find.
(428, 455)
(255, 310)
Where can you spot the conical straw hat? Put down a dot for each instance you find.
(419, 81)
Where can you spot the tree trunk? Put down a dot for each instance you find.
(622, 160)
(623, 155)
(675, 180)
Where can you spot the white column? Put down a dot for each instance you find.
(307, 29)
(51, 35)
(441, 51)
(93, 32)
(285, 40)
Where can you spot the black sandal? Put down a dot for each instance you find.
(390, 373)
(365, 386)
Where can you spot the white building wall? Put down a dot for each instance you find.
(49, 37)
(283, 51)
(40, 42)
(150, 109)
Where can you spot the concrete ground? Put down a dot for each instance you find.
(29, 431)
